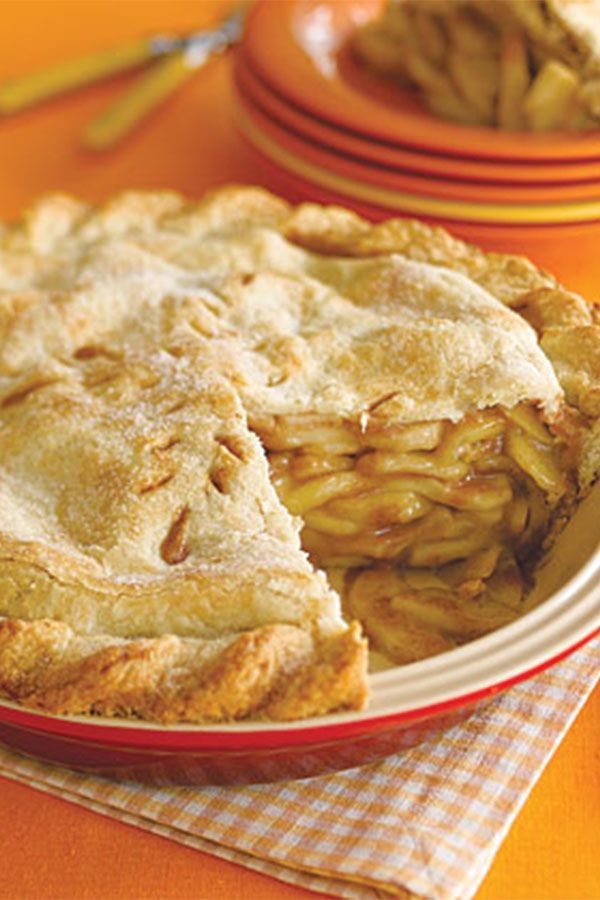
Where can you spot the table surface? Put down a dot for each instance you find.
(51, 848)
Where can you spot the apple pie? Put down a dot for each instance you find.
(237, 436)
(516, 64)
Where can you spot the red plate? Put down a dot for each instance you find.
(298, 49)
(329, 137)
(397, 180)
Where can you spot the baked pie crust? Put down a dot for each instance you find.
(189, 390)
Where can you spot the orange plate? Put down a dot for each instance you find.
(414, 203)
(400, 180)
(298, 48)
(403, 158)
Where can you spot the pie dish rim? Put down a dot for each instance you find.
(581, 591)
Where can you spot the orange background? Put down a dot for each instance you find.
(50, 848)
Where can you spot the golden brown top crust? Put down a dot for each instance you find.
(575, 355)
(301, 309)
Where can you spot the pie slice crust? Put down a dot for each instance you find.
(138, 516)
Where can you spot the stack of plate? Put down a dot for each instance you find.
(330, 131)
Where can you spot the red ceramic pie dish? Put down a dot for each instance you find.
(407, 703)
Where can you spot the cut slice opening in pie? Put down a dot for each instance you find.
(426, 524)
(234, 433)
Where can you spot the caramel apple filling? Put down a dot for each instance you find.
(430, 525)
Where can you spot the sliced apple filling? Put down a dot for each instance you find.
(433, 524)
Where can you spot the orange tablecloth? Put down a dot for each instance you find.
(49, 848)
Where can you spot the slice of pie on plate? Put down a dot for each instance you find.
(183, 387)
(529, 65)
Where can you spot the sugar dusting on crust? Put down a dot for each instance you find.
(398, 308)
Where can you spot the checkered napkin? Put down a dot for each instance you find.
(426, 822)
